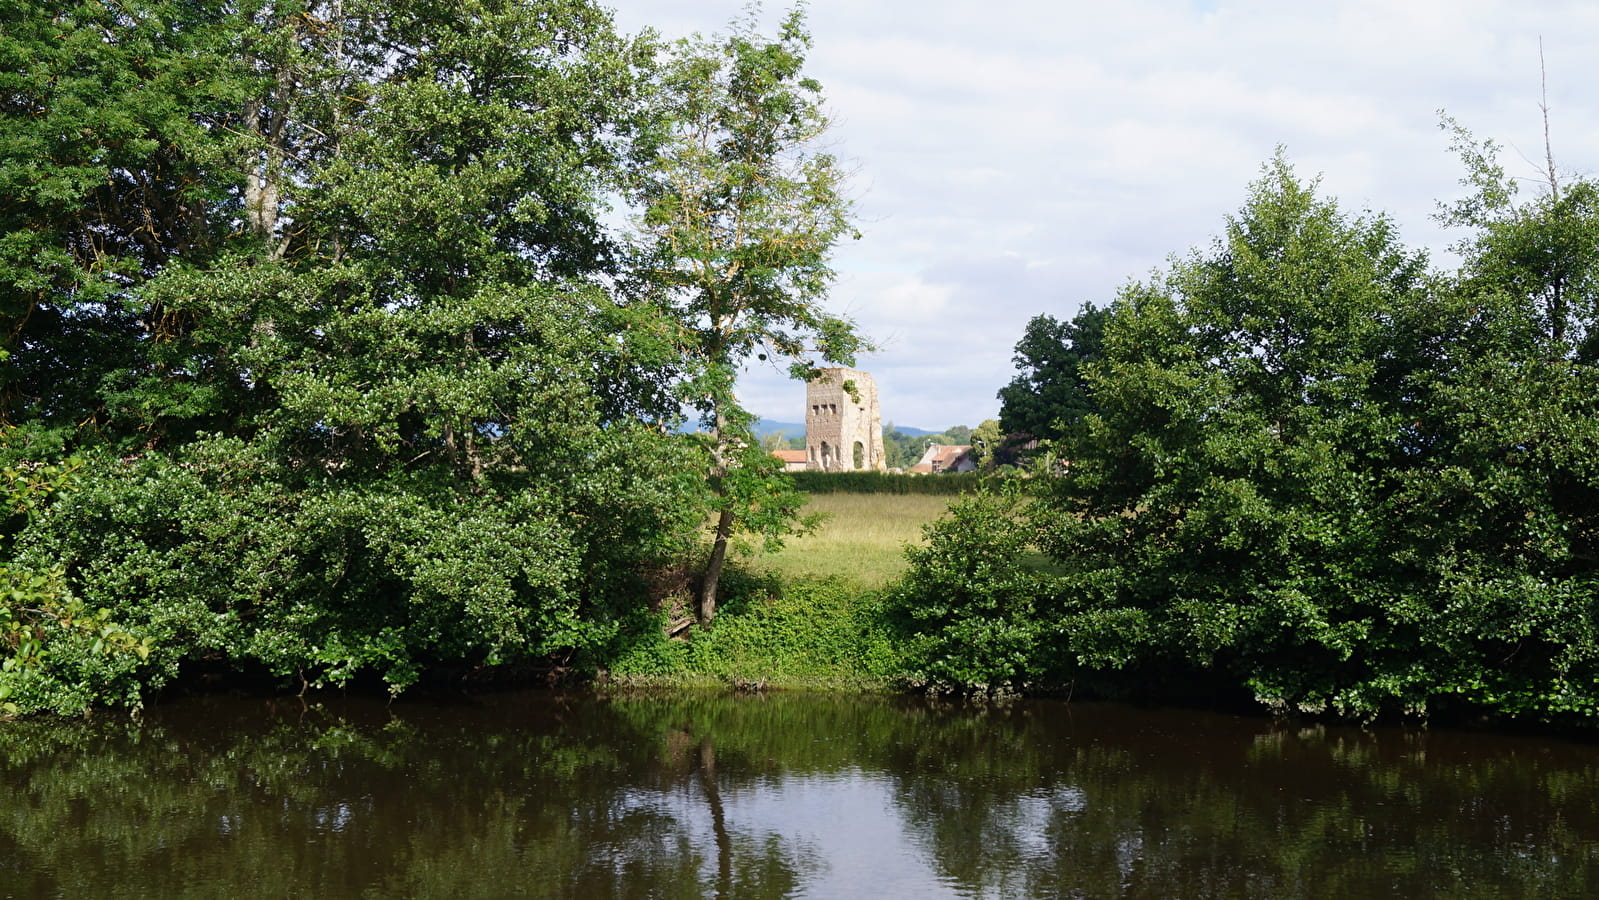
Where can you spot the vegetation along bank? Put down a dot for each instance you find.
(323, 361)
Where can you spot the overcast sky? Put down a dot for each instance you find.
(1017, 157)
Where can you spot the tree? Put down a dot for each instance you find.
(1544, 251)
(987, 442)
(741, 213)
(1232, 498)
(1051, 391)
(394, 414)
(117, 127)
(1321, 474)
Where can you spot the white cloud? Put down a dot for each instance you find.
(1020, 156)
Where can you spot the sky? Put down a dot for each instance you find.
(1018, 157)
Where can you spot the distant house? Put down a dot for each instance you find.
(944, 458)
(793, 460)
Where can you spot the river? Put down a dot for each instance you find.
(541, 794)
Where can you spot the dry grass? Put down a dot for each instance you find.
(863, 538)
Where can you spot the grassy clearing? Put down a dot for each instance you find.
(808, 616)
(862, 540)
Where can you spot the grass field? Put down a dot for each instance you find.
(862, 539)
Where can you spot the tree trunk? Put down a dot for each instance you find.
(724, 841)
(724, 523)
(713, 568)
(267, 118)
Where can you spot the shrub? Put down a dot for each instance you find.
(56, 654)
(967, 612)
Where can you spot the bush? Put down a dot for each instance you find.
(967, 612)
(56, 654)
(221, 554)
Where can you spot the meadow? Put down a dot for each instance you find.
(862, 538)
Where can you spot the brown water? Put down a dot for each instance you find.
(543, 795)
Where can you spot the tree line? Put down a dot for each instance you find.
(324, 355)
(1304, 467)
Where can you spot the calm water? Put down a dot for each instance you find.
(544, 795)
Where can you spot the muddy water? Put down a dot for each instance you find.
(546, 795)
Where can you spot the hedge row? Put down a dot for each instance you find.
(885, 483)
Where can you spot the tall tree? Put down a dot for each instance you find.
(401, 418)
(1543, 250)
(1050, 391)
(1229, 503)
(116, 122)
(1247, 443)
(741, 213)
(1318, 473)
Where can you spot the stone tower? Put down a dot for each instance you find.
(843, 433)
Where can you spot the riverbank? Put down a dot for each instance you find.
(829, 613)
(809, 616)
(773, 632)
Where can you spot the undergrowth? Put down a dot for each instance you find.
(820, 633)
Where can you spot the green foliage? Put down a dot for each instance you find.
(1541, 251)
(814, 632)
(1235, 483)
(1317, 473)
(969, 610)
(443, 196)
(221, 554)
(112, 137)
(794, 633)
(56, 653)
(987, 442)
(764, 496)
(740, 216)
(1050, 392)
(362, 400)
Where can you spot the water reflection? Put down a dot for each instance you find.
(542, 795)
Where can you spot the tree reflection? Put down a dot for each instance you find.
(1145, 804)
(540, 795)
(570, 801)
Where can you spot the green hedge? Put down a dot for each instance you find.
(885, 483)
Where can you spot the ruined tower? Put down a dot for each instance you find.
(843, 432)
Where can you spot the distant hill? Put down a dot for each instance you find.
(764, 427)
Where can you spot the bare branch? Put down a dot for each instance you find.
(1543, 104)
